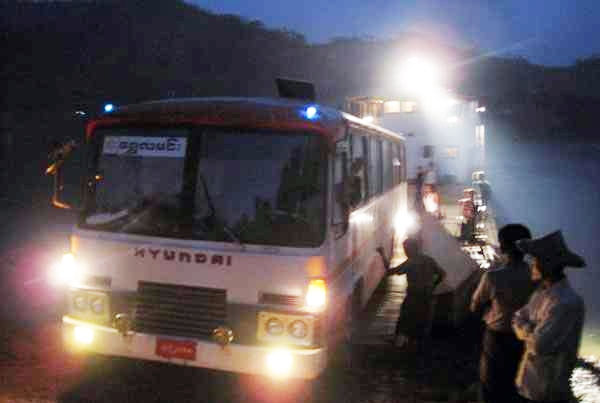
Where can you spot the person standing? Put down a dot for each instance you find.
(550, 324)
(431, 178)
(419, 180)
(423, 275)
(431, 197)
(502, 291)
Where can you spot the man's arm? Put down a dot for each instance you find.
(547, 336)
(403, 268)
(386, 261)
(482, 295)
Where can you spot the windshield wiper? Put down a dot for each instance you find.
(213, 212)
(106, 218)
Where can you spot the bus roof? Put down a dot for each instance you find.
(267, 113)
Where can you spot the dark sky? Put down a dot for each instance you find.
(551, 32)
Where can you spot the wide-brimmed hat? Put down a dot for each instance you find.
(552, 251)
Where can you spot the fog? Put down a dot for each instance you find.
(550, 185)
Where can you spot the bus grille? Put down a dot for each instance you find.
(280, 299)
(179, 310)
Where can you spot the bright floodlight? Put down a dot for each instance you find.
(109, 108)
(437, 100)
(368, 119)
(451, 101)
(420, 75)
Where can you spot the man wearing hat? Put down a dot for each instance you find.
(501, 292)
(550, 324)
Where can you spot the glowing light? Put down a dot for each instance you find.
(437, 100)
(83, 335)
(108, 108)
(431, 204)
(316, 295)
(67, 271)
(452, 119)
(480, 109)
(368, 119)
(419, 75)
(403, 222)
(279, 363)
(311, 112)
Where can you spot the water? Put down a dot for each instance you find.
(548, 186)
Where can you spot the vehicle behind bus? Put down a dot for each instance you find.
(234, 234)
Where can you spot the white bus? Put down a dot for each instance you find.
(229, 233)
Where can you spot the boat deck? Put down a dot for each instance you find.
(379, 319)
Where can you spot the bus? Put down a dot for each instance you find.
(237, 234)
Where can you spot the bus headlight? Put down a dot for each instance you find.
(298, 329)
(97, 305)
(316, 295)
(92, 306)
(279, 363)
(67, 271)
(80, 302)
(274, 327)
(83, 335)
(286, 329)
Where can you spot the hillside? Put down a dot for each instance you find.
(62, 56)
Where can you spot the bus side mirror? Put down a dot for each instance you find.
(56, 158)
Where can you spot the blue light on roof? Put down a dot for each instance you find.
(311, 112)
(109, 108)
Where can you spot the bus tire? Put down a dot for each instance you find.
(353, 310)
(344, 352)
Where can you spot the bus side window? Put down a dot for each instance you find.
(374, 167)
(403, 169)
(388, 180)
(340, 184)
(358, 170)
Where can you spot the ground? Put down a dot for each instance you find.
(34, 368)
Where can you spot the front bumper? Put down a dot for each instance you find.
(306, 363)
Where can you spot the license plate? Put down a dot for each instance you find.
(183, 349)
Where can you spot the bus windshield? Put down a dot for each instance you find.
(241, 186)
